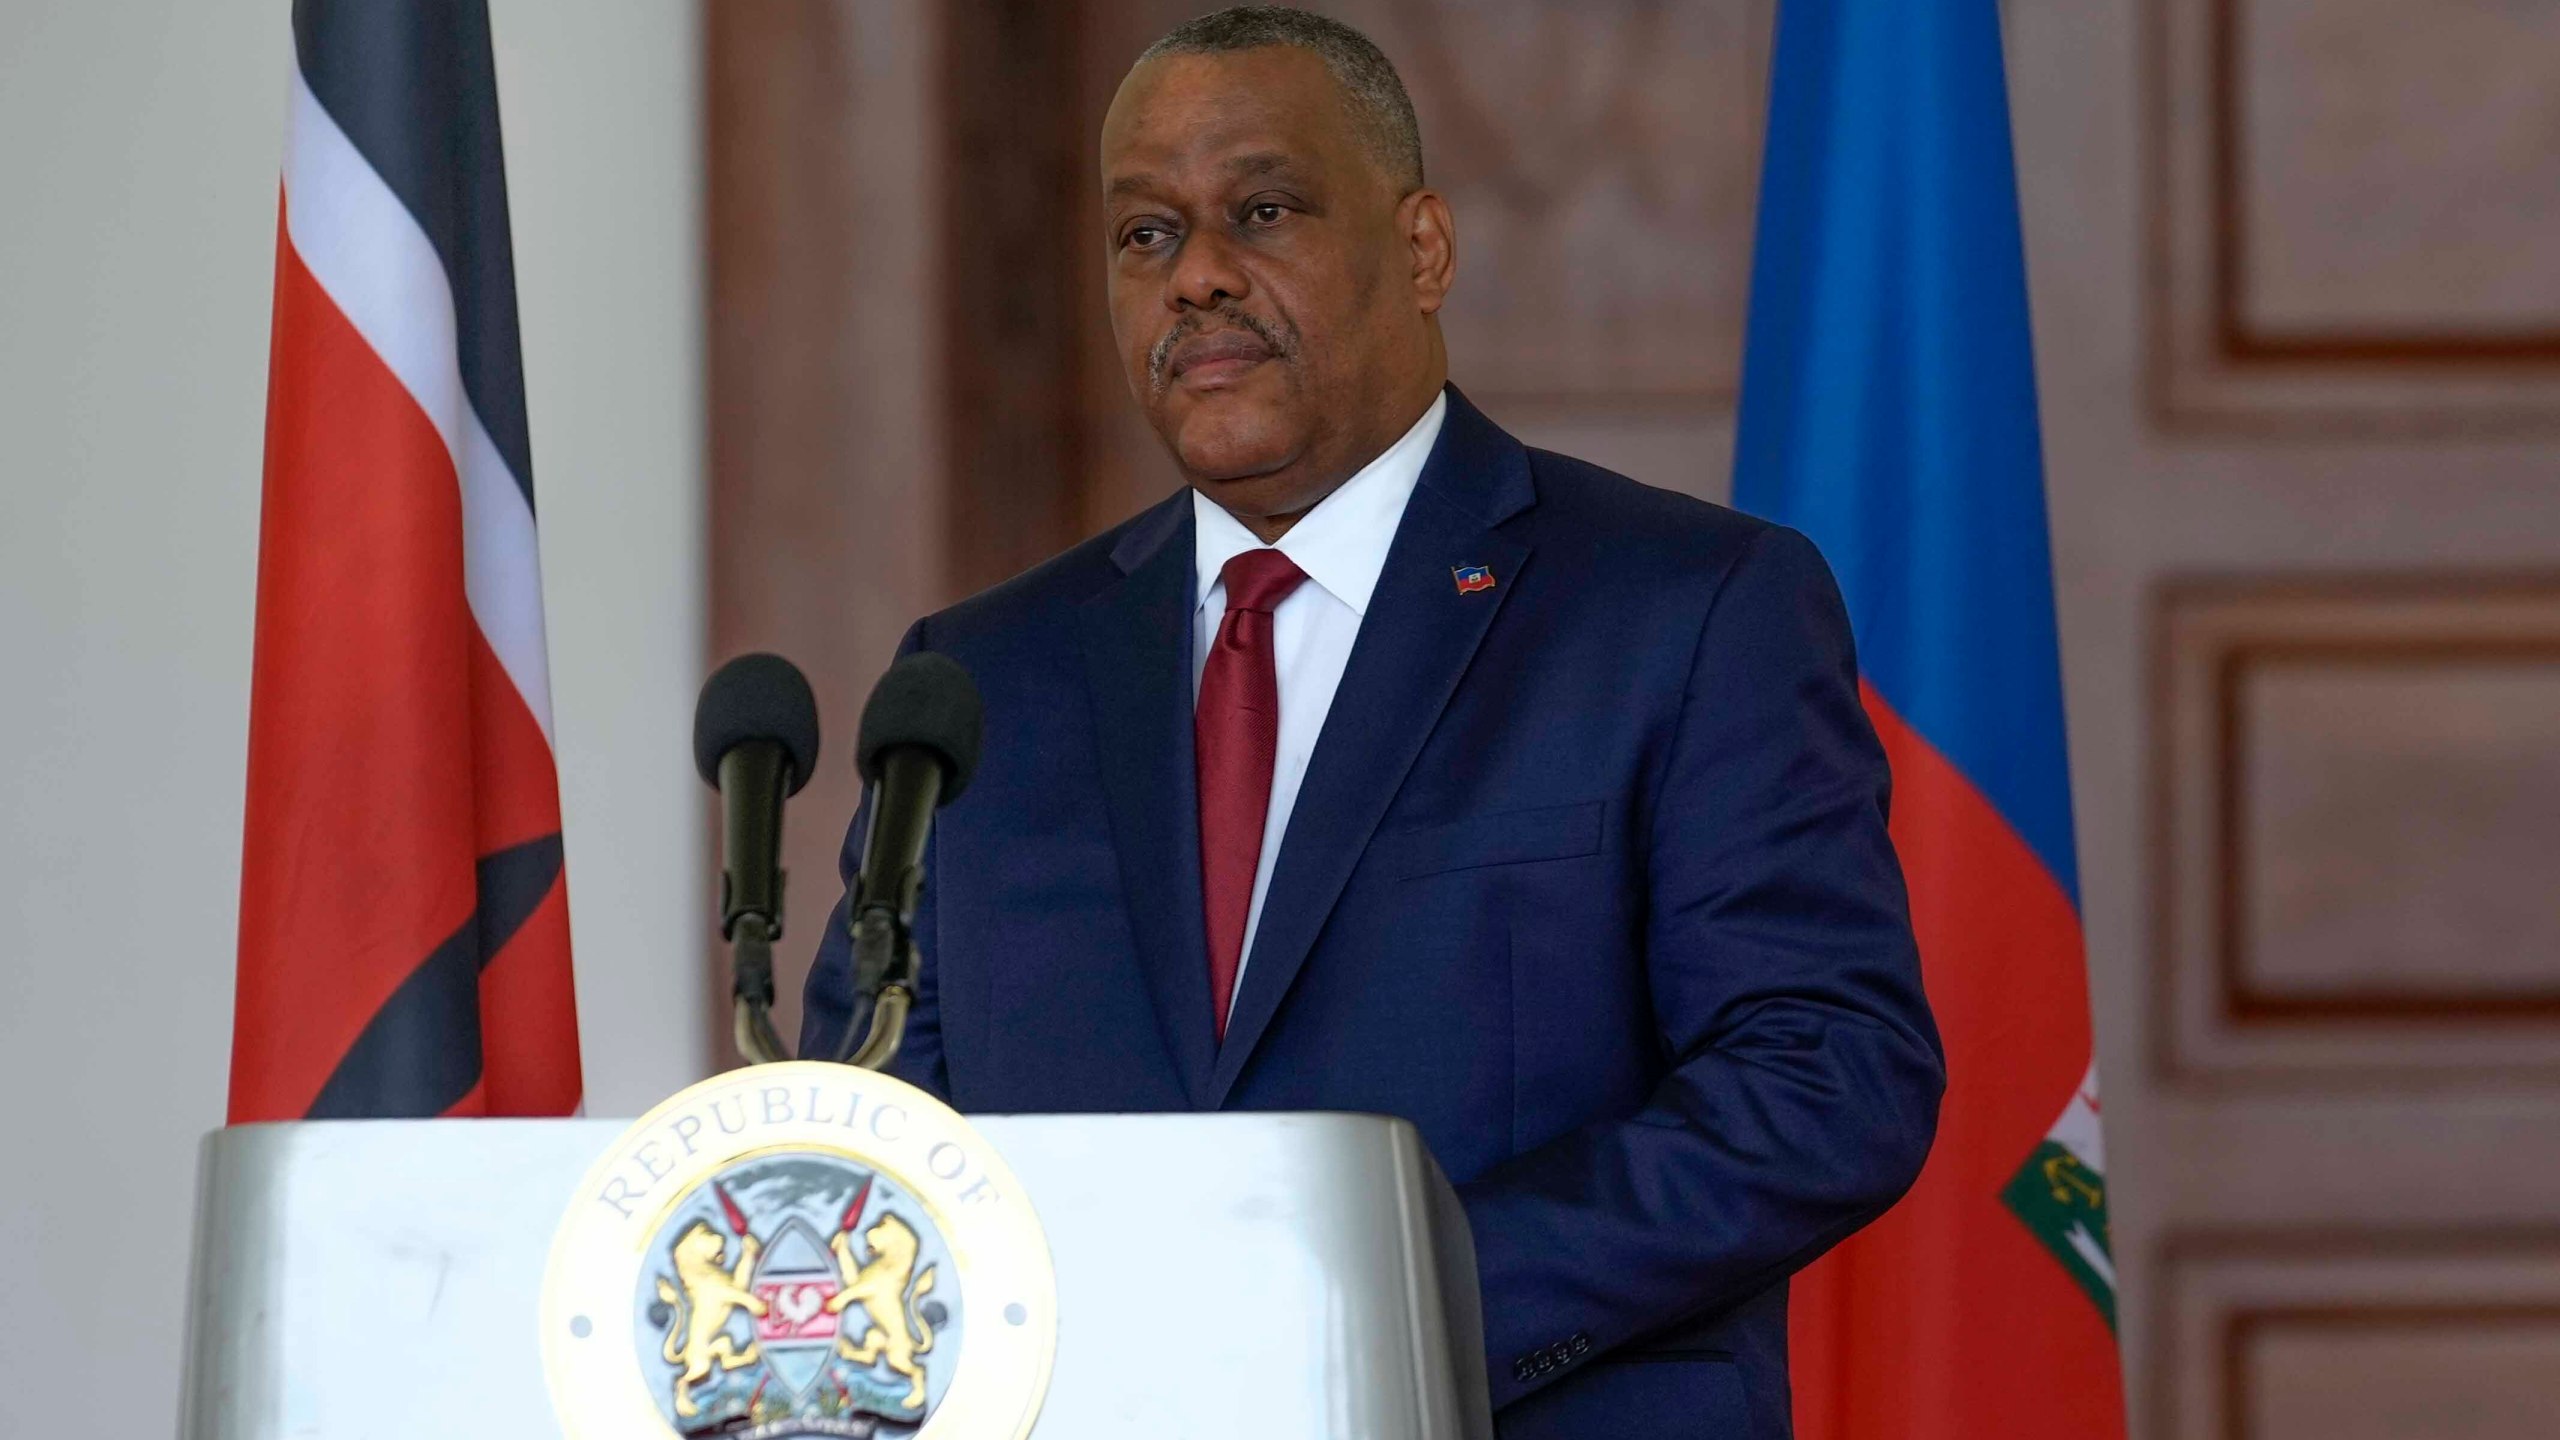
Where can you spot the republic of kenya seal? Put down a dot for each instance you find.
(794, 1250)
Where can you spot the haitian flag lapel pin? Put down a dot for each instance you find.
(1472, 578)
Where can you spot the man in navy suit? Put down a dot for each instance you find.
(1392, 766)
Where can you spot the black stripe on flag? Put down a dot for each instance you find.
(421, 1051)
(413, 85)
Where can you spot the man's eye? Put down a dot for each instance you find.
(1142, 236)
(1267, 213)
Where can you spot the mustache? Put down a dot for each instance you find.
(1281, 340)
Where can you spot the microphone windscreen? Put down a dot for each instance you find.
(926, 700)
(756, 697)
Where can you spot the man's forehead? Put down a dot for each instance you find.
(1204, 116)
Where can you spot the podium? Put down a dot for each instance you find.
(1216, 1276)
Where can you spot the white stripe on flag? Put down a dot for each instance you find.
(368, 252)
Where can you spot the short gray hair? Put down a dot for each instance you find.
(1379, 107)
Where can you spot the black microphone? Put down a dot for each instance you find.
(755, 740)
(918, 748)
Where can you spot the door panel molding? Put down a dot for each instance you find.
(2433, 668)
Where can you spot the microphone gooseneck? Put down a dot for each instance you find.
(918, 748)
(755, 740)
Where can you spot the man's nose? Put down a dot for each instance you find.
(1205, 273)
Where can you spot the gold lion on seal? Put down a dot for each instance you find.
(881, 1288)
(712, 1291)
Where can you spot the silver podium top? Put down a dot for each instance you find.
(1231, 1276)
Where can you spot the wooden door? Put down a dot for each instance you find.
(2297, 281)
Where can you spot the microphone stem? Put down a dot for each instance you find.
(884, 978)
(888, 1028)
(751, 1019)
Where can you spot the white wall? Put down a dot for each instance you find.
(139, 143)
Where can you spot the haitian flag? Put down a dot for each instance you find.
(1889, 412)
(404, 929)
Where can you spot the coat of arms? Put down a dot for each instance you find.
(796, 1274)
(794, 1294)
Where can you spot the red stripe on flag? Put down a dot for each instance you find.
(1946, 1319)
(528, 1003)
(529, 1016)
(358, 853)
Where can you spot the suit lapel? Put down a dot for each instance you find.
(1417, 639)
(1137, 650)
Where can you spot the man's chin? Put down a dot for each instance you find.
(1224, 436)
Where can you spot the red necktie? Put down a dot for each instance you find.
(1236, 737)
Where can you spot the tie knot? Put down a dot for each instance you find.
(1260, 579)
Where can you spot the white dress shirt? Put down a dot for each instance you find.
(1342, 545)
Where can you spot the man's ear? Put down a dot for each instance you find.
(1423, 219)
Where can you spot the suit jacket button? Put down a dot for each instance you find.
(1581, 1345)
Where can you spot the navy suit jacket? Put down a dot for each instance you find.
(1588, 879)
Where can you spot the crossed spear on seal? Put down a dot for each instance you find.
(844, 1226)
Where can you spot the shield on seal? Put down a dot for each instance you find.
(795, 1278)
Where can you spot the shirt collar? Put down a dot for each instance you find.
(1342, 543)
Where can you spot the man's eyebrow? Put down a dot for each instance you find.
(1262, 162)
(1251, 165)
(1137, 184)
